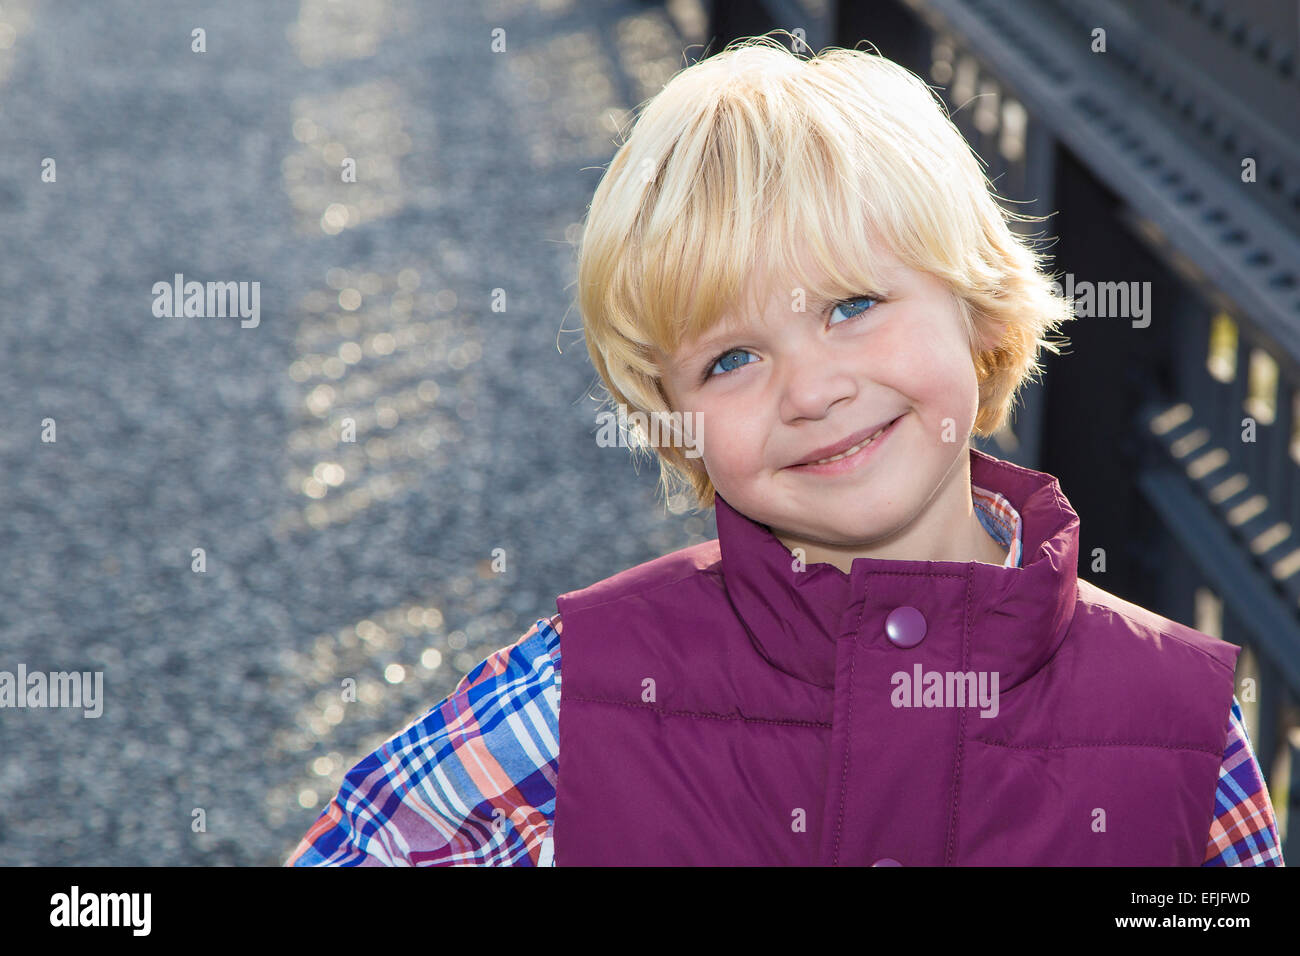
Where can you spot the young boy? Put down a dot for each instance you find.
(886, 657)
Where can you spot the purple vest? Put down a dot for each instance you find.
(722, 707)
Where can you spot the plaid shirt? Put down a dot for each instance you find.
(473, 781)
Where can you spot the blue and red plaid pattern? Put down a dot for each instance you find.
(1243, 831)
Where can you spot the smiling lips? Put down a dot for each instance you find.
(843, 449)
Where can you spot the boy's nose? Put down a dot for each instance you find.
(811, 388)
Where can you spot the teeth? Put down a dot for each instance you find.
(851, 451)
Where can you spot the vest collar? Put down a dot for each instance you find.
(1005, 619)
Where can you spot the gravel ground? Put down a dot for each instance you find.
(323, 560)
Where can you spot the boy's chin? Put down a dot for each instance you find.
(823, 539)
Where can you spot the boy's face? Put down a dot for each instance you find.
(797, 382)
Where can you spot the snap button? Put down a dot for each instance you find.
(887, 862)
(905, 626)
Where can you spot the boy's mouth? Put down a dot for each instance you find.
(843, 449)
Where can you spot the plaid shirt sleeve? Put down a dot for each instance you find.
(472, 782)
(1243, 831)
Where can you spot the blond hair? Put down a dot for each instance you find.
(745, 157)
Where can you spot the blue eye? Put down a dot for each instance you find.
(723, 357)
(852, 311)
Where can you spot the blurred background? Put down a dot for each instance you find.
(428, 303)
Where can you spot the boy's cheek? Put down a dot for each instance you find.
(729, 466)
